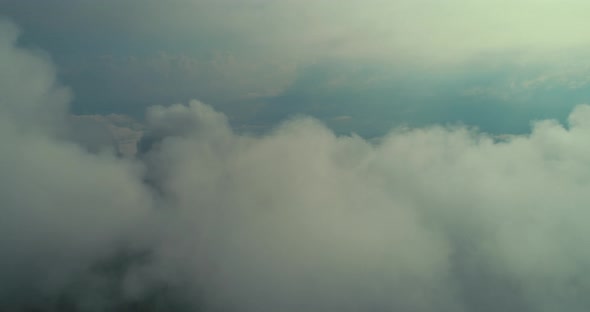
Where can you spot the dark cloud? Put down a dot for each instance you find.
(294, 219)
(99, 133)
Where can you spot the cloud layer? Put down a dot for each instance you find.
(228, 52)
(400, 30)
(296, 219)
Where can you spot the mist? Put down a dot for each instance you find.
(203, 218)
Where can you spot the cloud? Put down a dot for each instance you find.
(225, 51)
(402, 30)
(427, 219)
(98, 133)
(62, 208)
(297, 218)
(29, 91)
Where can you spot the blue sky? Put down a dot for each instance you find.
(359, 66)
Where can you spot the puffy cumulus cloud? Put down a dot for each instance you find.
(425, 219)
(29, 92)
(290, 221)
(61, 207)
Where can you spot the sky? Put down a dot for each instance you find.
(359, 66)
(294, 155)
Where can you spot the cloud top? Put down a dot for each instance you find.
(298, 218)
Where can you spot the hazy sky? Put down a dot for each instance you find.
(294, 155)
(361, 66)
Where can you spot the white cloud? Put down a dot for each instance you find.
(303, 218)
(29, 91)
(61, 208)
(431, 219)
